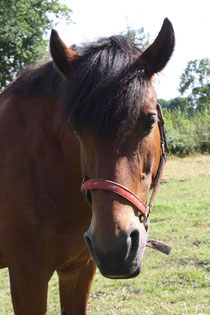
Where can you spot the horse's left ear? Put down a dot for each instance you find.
(156, 56)
(64, 58)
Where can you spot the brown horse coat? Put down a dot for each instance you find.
(43, 213)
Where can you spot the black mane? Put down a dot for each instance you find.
(105, 92)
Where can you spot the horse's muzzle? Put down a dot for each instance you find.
(120, 257)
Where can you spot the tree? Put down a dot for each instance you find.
(138, 36)
(23, 25)
(174, 103)
(195, 83)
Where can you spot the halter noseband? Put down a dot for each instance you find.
(143, 210)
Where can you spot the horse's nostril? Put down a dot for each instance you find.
(134, 236)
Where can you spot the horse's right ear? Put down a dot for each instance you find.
(156, 56)
(64, 58)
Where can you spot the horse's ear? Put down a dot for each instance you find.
(156, 56)
(64, 58)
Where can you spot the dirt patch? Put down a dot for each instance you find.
(181, 168)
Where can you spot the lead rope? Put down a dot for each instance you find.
(158, 180)
(164, 148)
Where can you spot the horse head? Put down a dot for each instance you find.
(111, 104)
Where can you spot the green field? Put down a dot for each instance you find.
(174, 284)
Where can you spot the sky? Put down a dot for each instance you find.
(190, 18)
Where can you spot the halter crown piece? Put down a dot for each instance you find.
(143, 210)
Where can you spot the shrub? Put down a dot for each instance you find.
(186, 135)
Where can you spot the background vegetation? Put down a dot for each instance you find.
(23, 26)
(187, 119)
(188, 134)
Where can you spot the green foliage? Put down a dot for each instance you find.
(194, 86)
(23, 24)
(195, 83)
(187, 135)
(187, 119)
(138, 36)
(174, 103)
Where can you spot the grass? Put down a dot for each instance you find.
(174, 284)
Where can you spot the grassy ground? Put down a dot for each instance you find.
(174, 284)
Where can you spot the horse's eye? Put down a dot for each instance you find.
(150, 120)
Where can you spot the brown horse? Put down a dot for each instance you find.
(101, 92)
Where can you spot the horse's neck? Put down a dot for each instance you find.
(32, 128)
(40, 166)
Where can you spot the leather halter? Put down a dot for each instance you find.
(143, 210)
